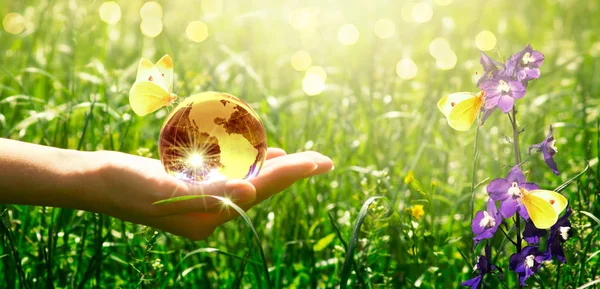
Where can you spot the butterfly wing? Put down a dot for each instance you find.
(449, 101)
(147, 71)
(165, 67)
(541, 212)
(558, 201)
(461, 109)
(146, 97)
(463, 115)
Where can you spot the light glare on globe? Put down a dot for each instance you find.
(212, 136)
(195, 160)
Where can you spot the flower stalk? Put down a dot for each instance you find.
(515, 142)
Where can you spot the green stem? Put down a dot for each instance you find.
(515, 142)
(474, 172)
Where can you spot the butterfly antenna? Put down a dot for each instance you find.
(179, 88)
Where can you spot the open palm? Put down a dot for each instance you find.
(132, 184)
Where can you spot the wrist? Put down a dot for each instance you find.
(83, 181)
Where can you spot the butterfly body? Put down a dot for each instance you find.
(153, 87)
(461, 108)
(543, 207)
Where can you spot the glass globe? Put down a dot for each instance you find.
(212, 136)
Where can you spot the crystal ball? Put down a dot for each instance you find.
(212, 136)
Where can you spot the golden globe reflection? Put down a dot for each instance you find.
(213, 136)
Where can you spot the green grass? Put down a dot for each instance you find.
(65, 84)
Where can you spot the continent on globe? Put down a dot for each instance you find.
(213, 136)
(181, 140)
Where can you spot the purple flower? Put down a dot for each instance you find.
(509, 191)
(491, 67)
(486, 223)
(548, 150)
(531, 234)
(484, 267)
(527, 262)
(525, 65)
(501, 91)
(559, 233)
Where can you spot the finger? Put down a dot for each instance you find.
(238, 191)
(278, 176)
(274, 153)
(286, 170)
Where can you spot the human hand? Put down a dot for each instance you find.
(127, 186)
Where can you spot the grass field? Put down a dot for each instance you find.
(64, 82)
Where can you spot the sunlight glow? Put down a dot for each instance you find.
(406, 69)
(422, 12)
(442, 2)
(313, 84)
(446, 60)
(151, 9)
(197, 31)
(438, 47)
(110, 12)
(318, 71)
(301, 19)
(151, 27)
(13, 23)
(348, 34)
(406, 12)
(212, 6)
(301, 60)
(384, 28)
(485, 40)
(195, 160)
(227, 202)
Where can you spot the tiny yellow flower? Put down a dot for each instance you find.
(409, 178)
(417, 211)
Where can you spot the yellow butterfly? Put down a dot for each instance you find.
(461, 108)
(543, 207)
(153, 87)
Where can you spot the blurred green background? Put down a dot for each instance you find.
(356, 80)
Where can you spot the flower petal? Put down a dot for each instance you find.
(515, 175)
(498, 189)
(477, 229)
(506, 103)
(551, 164)
(523, 211)
(474, 283)
(508, 207)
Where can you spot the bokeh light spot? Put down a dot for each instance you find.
(197, 31)
(313, 84)
(301, 19)
(110, 12)
(151, 9)
(406, 68)
(485, 40)
(446, 60)
(13, 23)
(212, 6)
(438, 46)
(348, 34)
(385, 28)
(319, 71)
(151, 27)
(421, 12)
(301, 60)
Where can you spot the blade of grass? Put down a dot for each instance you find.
(362, 214)
(240, 211)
